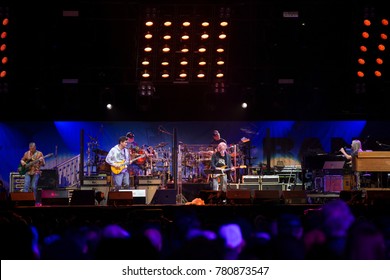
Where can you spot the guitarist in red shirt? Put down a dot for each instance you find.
(30, 165)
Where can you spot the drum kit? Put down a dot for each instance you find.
(196, 161)
(193, 160)
(157, 160)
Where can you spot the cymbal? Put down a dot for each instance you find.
(160, 145)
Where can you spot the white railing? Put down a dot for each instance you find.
(68, 172)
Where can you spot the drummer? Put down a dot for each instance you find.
(216, 140)
(138, 167)
(135, 169)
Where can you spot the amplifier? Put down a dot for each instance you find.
(100, 180)
(250, 186)
(250, 178)
(16, 182)
(333, 183)
(274, 179)
(149, 180)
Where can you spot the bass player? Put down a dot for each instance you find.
(30, 165)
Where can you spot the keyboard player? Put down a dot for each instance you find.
(356, 147)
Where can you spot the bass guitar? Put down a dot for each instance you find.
(122, 165)
(22, 169)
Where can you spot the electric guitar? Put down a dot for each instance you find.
(223, 169)
(22, 169)
(123, 165)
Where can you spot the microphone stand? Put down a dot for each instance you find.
(384, 146)
(180, 199)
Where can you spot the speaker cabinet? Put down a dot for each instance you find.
(352, 197)
(266, 187)
(83, 197)
(378, 197)
(294, 197)
(267, 197)
(48, 179)
(238, 196)
(55, 197)
(123, 198)
(22, 198)
(164, 197)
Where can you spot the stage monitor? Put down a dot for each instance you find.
(164, 197)
(121, 198)
(55, 197)
(83, 197)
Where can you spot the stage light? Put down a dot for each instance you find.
(204, 36)
(222, 36)
(165, 74)
(146, 88)
(220, 50)
(166, 48)
(185, 49)
(219, 74)
(165, 62)
(202, 49)
(183, 61)
(183, 74)
(148, 35)
(202, 62)
(145, 62)
(193, 32)
(201, 74)
(145, 74)
(185, 36)
(372, 45)
(167, 37)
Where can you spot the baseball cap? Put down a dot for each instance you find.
(130, 135)
(215, 132)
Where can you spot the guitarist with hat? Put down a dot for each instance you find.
(30, 165)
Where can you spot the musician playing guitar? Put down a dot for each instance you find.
(221, 161)
(31, 162)
(119, 158)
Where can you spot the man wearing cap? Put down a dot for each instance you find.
(217, 138)
(135, 168)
